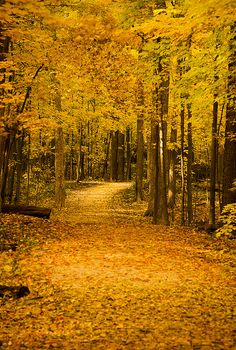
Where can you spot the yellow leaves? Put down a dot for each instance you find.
(116, 287)
(7, 268)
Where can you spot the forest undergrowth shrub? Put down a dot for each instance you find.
(41, 187)
(129, 196)
(228, 221)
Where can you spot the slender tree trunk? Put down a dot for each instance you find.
(88, 150)
(152, 169)
(157, 183)
(163, 188)
(114, 154)
(220, 152)
(189, 167)
(121, 157)
(140, 160)
(2, 151)
(164, 99)
(9, 193)
(28, 170)
(59, 169)
(19, 165)
(156, 187)
(172, 171)
(10, 140)
(80, 175)
(4, 48)
(60, 193)
(107, 151)
(128, 155)
(214, 145)
(229, 165)
(182, 165)
(140, 144)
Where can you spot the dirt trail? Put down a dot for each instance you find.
(154, 287)
(111, 281)
(97, 202)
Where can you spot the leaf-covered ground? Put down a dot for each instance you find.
(114, 281)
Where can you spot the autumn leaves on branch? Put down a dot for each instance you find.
(118, 90)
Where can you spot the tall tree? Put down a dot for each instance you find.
(189, 166)
(229, 162)
(172, 170)
(140, 142)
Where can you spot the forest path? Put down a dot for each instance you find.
(101, 278)
(99, 202)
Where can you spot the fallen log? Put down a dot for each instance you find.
(13, 292)
(8, 246)
(27, 210)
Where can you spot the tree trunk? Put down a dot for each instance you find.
(229, 165)
(39, 212)
(4, 48)
(182, 165)
(164, 219)
(172, 171)
(59, 169)
(114, 152)
(28, 170)
(213, 164)
(11, 171)
(189, 167)
(80, 175)
(156, 187)
(140, 144)
(121, 157)
(107, 151)
(152, 169)
(19, 165)
(7, 152)
(164, 99)
(128, 155)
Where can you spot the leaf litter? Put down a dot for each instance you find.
(118, 284)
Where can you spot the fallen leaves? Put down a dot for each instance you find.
(116, 287)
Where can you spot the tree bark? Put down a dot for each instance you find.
(59, 169)
(8, 144)
(4, 48)
(189, 167)
(229, 165)
(161, 99)
(156, 187)
(114, 154)
(27, 210)
(107, 151)
(164, 219)
(128, 154)
(19, 166)
(214, 144)
(28, 170)
(172, 170)
(121, 157)
(152, 169)
(182, 164)
(140, 143)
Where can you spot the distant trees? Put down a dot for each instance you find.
(144, 90)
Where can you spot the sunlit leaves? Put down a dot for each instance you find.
(116, 286)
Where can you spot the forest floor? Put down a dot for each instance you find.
(101, 276)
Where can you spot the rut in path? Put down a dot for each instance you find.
(95, 202)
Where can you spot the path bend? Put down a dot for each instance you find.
(97, 202)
